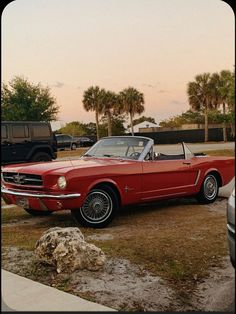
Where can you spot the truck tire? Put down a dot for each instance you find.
(73, 146)
(41, 156)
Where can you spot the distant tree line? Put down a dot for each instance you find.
(211, 99)
(77, 128)
(197, 117)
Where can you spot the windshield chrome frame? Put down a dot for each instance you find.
(145, 151)
(188, 154)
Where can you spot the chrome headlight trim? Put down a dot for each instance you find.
(61, 182)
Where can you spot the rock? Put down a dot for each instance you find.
(66, 249)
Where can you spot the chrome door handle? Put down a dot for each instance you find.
(187, 162)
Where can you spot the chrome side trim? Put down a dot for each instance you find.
(231, 229)
(198, 176)
(164, 195)
(40, 195)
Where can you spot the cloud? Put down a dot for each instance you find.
(163, 91)
(149, 85)
(177, 103)
(58, 84)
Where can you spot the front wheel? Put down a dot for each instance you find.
(99, 208)
(38, 213)
(209, 190)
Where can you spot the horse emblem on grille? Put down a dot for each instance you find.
(19, 179)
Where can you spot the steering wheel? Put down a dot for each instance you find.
(135, 155)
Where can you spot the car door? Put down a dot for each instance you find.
(58, 141)
(168, 178)
(67, 141)
(61, 141)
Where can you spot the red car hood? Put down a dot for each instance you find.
(61, 167)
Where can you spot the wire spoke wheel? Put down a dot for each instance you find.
(210, 187)
(97, 207)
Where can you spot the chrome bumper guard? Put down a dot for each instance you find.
(39, 195)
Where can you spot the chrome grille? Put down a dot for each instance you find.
(22, 178)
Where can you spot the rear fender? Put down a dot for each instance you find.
(207, 172)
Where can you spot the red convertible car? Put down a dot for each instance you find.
(115, 171)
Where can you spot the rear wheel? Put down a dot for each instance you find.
(34, 212)
(99, 208)
(41, 156)
(209, 190)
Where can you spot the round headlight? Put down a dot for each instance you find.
(61, 182)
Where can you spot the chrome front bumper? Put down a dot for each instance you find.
(39, 195)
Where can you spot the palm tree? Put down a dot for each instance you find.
(226, 79)
(131, 102)
(199, 95)
(108, 103)
(92, 102)
(214, 85)
(231, 104)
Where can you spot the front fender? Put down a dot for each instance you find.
(103, 180)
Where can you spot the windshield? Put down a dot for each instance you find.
(123, 147)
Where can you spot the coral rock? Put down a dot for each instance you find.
(66, 249)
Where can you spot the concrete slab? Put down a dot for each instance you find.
(226, 190)
(22, 294)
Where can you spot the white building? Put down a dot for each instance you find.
(144, 124)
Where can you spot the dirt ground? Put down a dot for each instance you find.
(129, 280)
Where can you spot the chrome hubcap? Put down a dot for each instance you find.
(97, 207)
(210, 187)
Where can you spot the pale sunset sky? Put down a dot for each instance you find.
(156, 46)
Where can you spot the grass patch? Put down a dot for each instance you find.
(220, 152)
(23, 237)
(13, 213)
(72, 153)
(179, 245)
(178, 240)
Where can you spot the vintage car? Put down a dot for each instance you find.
(115, 171)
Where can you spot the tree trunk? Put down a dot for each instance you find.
(96, 116)
(224, 126)
(232, 126)
(131, 123)
(109, 123)
(206, 123)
